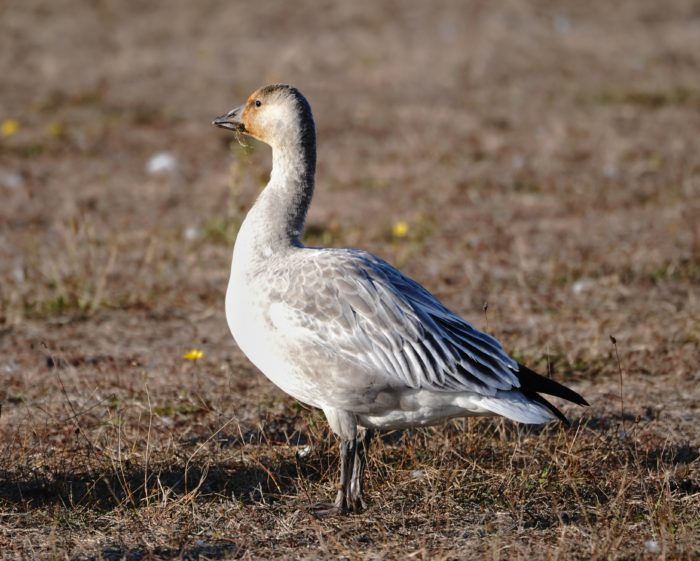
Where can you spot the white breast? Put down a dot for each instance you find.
(249, 320)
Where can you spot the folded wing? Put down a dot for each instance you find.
(366, 310)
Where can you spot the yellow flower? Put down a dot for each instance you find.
(193, 355)
(56, 130)
(9, 127)
(400, 229)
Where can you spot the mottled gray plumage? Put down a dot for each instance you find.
(341, 329)
(368, 312)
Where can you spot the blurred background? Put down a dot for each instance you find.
(536, 165)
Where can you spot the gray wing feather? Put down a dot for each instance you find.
(387, 321)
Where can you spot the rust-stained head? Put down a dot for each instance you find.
(273, 114)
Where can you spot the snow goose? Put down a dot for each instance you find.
(343, 330)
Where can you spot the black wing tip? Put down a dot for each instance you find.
(532, 382)
(562, 418)
(542, 401)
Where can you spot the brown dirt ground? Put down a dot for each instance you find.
(546, 157)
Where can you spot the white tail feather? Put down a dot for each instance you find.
(517, 407)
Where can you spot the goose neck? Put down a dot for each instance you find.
(280, 211)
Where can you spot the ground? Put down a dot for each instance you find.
(535, 165)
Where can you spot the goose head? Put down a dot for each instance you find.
(276, 115)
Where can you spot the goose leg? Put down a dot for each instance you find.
(344, 424)
(356, 499)
(348, 449)
(341, 505)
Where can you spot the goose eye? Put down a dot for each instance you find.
(258, 103)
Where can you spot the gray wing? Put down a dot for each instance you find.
(362, 308)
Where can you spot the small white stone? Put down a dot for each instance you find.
(417, 474)
(652, 546)
(561, 24)
(162, 163)
(18, 274)
(191, 233)
(582, 285)
(610, 171)
(304, 451)
(11, 180)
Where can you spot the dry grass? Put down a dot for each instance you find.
(547, 162)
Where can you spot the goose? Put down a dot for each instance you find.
(344, 331)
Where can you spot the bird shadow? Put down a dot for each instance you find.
(134, 486)
(200, 550)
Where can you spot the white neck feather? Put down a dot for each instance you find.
(276, 221)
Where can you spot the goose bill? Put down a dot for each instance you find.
(231, 121)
